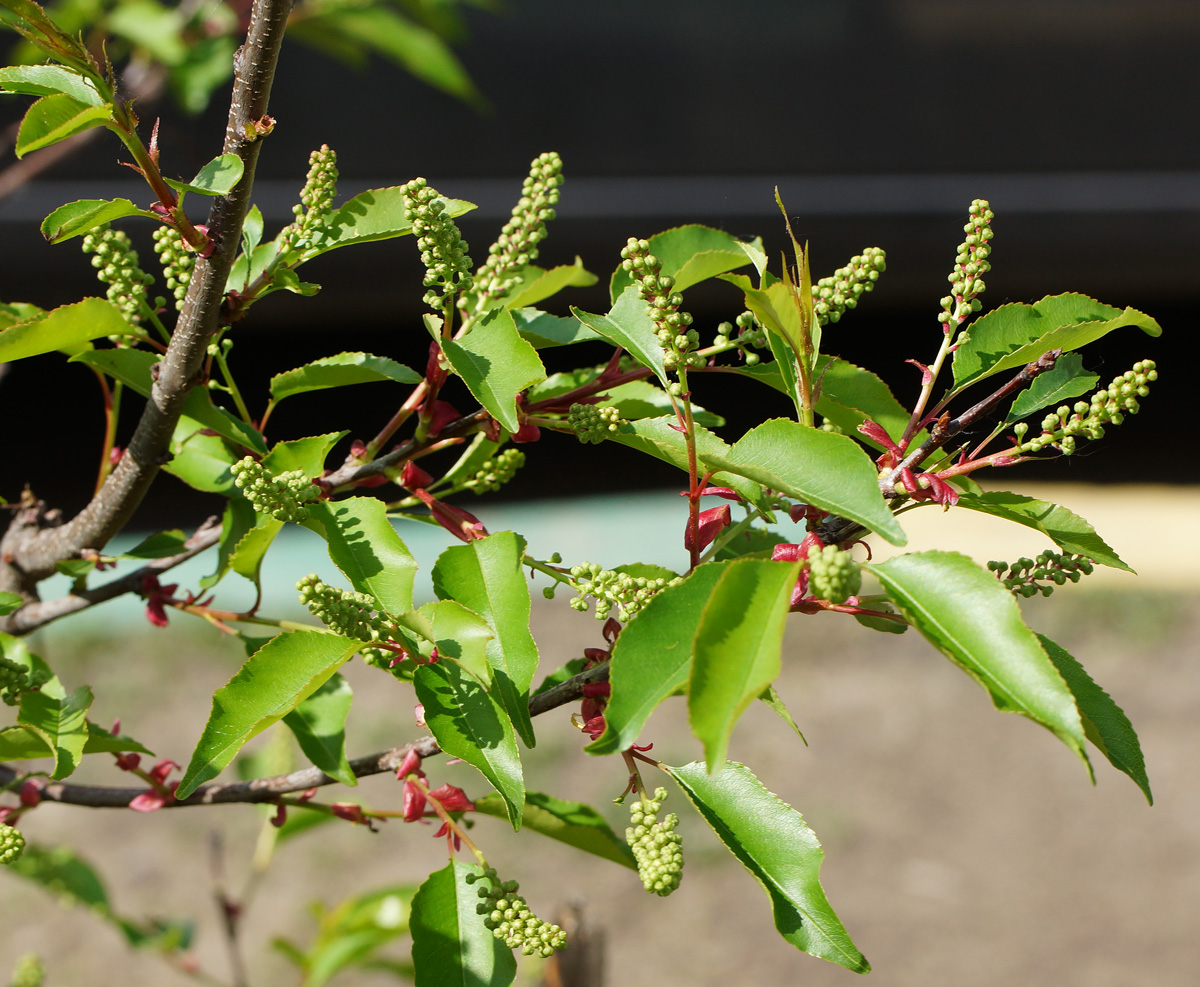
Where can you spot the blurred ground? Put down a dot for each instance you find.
(962, 846)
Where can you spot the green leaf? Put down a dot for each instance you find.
(469, 724)
(160, 546)
(543, 330)
(201, 461)
(775, 305)
(1104, 722)
(219, 177)
(23, 744)
(627, 325)
(691, 254)
(274, 680)
(775, 844)
(736, 651)
(236, 521)
(573, 823)
(1066, 529)
(307, 454)
(496, 364)
(642, 399)
(537, 283)
(1066, 380)
(38, 29)
(319, 726)
(365, 546)
(62, 722)
(451, 947)
(1016, 334)
(829, 471)
(55, 118)
(45, 80)
(485, 576)
(77, 218)
(251, 548)
(652, 658)
(101, 741)
(288, 280)
(10, 602)
(67, 328)
(773, 701)
(850, 395)
(456, 632)
(377, 214)
(340, 371)
(964, 612)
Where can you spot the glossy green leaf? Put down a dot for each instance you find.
(451, 947)
(1104, 722)
(829, 471)
(537, 283)
(44, 80)
(964, 612)
(62, 722)
(55, 118)
(319, 726)
(340, 371)
(774, 843)
(288, 280)
(250, 549)
(850, 395)
(652, 658)
(1013, 335)
(377, 214)
(101, 741)
(775, 306)
(642, 399)
(543, 330)
(21, 743)
(252, 230)
(774, 702)
(274, 680)
(202, 461)
(573, 823)
(159, 546)
(14, 313)
(1066, 380)
(365, 546)
(469, 724)
(77, 218)
(219, 177)
(237, 519)
(10, 602)
(1067, 530)
(627, 325)
(691, 254)
(496, 364)
(457, 632)
(67, 328)
(485, 576)
(736, 653)
(469, 463)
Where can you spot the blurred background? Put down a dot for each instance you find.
(962, 847)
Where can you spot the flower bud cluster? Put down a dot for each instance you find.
(350, 614)
(28, 972)
(116, 264)
(672, 326)
(511, 920)
(443, 251)
(12, 844)
(751, 336)
(834, 294)
(610, 588)
(656, 846)
(832, 574)
(593, 423)
(517, 244)
(496, 472)
(966, 282)
(14, 681)
(177, 262)
(1028, 577)
(1110, 404)
(283, 497)
(316, 198)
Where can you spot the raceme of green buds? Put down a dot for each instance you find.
(283, 497)
(353, 615)
(443, 251)
(750, 336)
(970, 263)
(177, 262)
(593, 423)
(629, 594)
(12, 844)
(28, 972)
(833, 575)
(1028, 577)
(672, 326)
(517, 244)
(316, 198)
(1061, 427)
(14, 681)
(834, 294)
(496, 472)
(116, 264)
(511, 920)
(656, 846)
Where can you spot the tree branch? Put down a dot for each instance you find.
(269, 789)
(28, 551)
